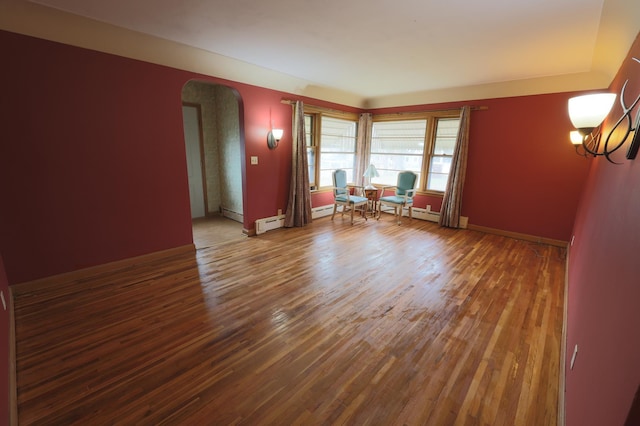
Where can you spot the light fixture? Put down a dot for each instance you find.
(371, 172)
(575, 137)
(587, 113)
(273, 137)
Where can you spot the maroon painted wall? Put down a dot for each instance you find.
(92, 159)
(523, 175)
(604, 283)
(4, 349)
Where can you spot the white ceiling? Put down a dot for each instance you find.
(376, 48)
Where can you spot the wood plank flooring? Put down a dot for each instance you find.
(370, 324)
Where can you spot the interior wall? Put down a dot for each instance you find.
(93, 160)
(204, 94)
(230, 143)
(222, 144)
(523, 174)
(104, 163)
(4, 348)
(92, 163)
(604, 281)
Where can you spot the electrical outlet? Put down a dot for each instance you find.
(4, 303)
(254, 160)
(573, 357)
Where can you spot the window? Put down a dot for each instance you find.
(331, 144)
(422, 143)
(440, 158)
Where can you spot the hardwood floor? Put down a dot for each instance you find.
(329, 324)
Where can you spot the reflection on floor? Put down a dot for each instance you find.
(210, 231)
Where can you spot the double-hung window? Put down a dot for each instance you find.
(423, 143)
(331, 145)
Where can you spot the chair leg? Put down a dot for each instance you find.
(335, 207)
(352, 209)
(410, 213)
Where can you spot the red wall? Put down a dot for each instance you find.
(604, 283)
(523, 174)
(92, 160)
(4, 349)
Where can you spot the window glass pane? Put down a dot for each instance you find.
(338, 135)
(337, 148)
(333, 162)
(439, 173)
(308, 129)
(444, 145)
(405, 136)
(446, 135)
(326, 178)
(397, 146)
(311, 161)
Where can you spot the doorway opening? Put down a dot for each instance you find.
(214, 147)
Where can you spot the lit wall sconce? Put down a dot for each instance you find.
(273, 137)
(371, 172)
(587, 113)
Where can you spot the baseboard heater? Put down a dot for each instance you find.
(427, 214)
(274, 222)
(269, 223)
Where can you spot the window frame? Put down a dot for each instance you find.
(316, 140)
(428, 153)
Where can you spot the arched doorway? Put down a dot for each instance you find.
(218, 142)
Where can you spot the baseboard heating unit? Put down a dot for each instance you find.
(269, 223)
(427, 214)
(274, 222)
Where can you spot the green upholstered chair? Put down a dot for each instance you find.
(402, 196)
(342, 196)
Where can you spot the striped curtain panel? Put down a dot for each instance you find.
(363, 147)
(452, 200)
(299, 207)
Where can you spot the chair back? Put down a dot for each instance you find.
(339, 182)
(406, 181)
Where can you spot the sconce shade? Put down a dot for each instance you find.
(277, 134)
(273, 137)
(576, 137)
(588, 111)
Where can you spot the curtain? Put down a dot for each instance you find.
(363, 147)
(299, 207)
(452, 201)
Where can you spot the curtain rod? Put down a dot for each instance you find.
(473, 108)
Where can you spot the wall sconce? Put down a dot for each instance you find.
(273, 137)
(587, 113)
(371, 172)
